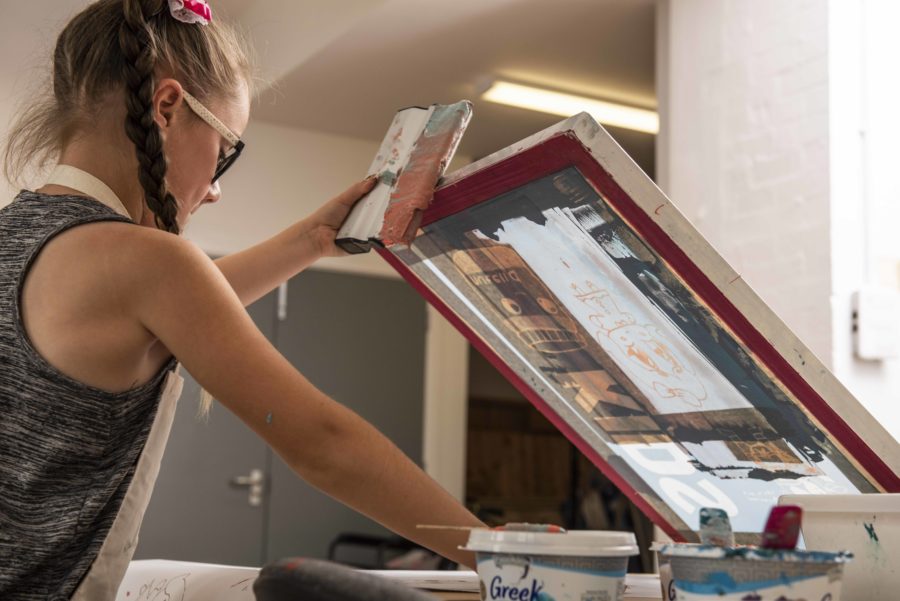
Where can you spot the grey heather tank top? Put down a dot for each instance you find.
(68, 451)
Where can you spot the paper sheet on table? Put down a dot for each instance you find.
(642, 587)
(151, 579)
(156, 579)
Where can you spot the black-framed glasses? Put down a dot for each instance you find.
(227, 160)
(237, 145)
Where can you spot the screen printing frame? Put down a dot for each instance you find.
(580, 143)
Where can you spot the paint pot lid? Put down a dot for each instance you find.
(583, 543)
(750, 553)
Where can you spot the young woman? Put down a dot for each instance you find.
(100, 300)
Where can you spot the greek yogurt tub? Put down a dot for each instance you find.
(581, 565)
(706, 572)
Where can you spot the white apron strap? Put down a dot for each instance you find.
(108, 569)
(77, 179)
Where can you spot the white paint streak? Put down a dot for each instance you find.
(656, 356)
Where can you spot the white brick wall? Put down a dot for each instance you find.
(744, 151)
(779, 132)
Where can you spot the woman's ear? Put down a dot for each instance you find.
(167, 99)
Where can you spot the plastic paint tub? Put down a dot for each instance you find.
(704, 572)
(541, 566)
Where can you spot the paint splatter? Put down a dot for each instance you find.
(269, 417)
(414, 187)
(715, 527)
(387, 177)
(870, 528)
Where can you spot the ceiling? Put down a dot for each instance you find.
(345, 66)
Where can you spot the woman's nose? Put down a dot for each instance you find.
(214, 194)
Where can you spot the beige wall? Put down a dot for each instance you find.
(283, 175)
(7, 190)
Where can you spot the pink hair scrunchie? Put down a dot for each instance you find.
(191, 11)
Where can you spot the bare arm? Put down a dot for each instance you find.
(195, 312)
(257, 270)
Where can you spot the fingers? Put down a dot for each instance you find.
(332, 213)
(358, 190)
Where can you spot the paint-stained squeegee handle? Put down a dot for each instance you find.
(412, 158)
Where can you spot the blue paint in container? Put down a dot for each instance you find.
(705, 572)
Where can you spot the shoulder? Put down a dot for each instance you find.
(132, 261)
(148, 261)
(99, 281)
(155, 252)
(127, 247)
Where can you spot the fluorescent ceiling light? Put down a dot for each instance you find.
(558, 103)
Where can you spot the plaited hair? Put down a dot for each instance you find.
(121, 46)
(137, 44)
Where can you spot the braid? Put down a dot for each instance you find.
(137, 42)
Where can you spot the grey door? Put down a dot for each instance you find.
(361, 340)
(195, 514)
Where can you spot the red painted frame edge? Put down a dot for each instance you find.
(565, 149)
(475, 340)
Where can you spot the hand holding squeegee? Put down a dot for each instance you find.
(411, 160)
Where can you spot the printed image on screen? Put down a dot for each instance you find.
(579, 307)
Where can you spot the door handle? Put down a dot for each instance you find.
(255, 482)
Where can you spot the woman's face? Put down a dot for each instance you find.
(193, 150)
